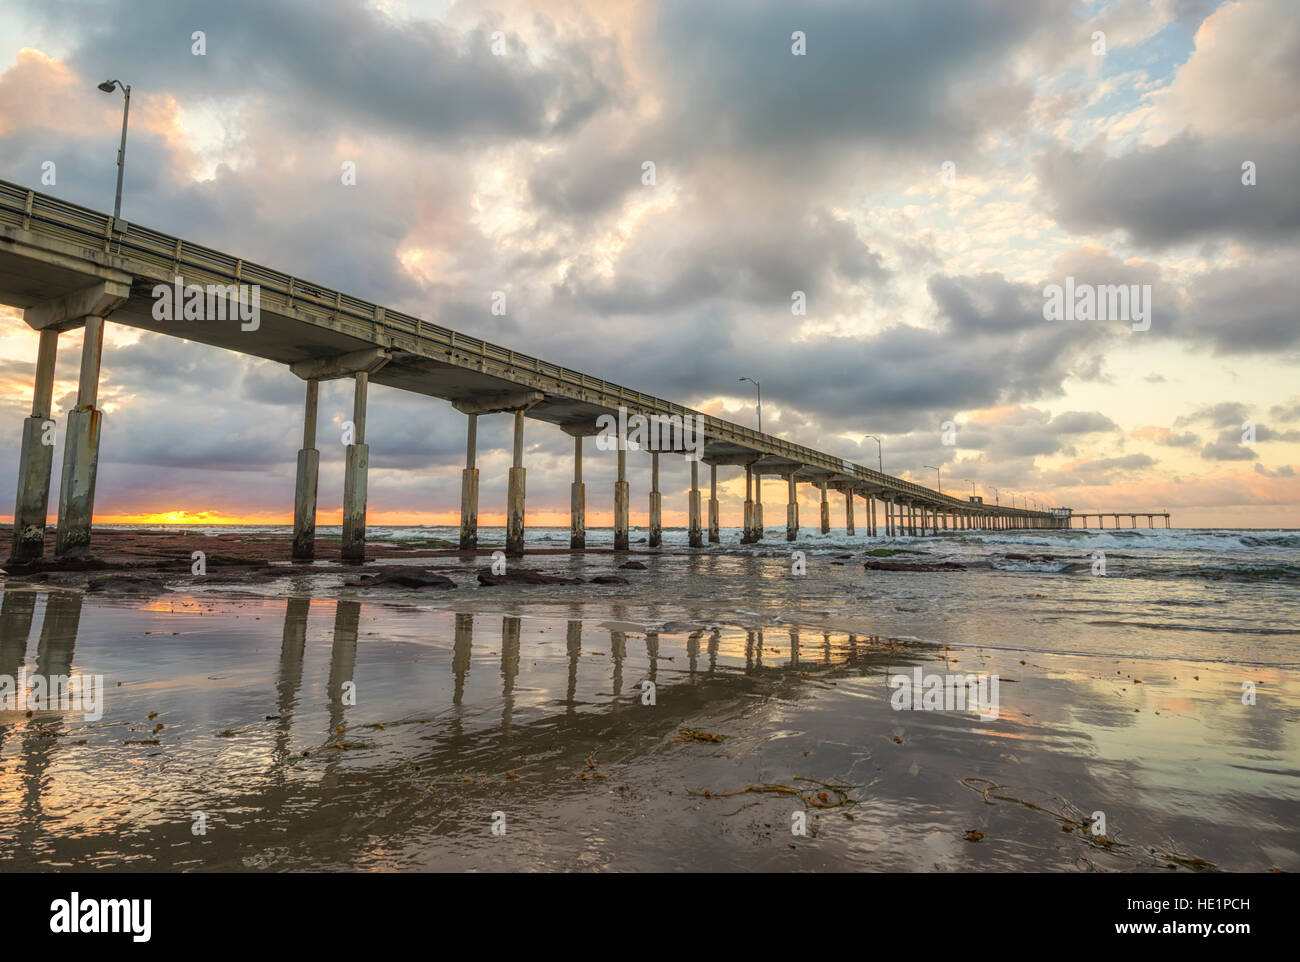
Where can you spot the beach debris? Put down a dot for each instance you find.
(813, 799)
(974, 835)
(699, 735)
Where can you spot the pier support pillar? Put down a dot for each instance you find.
(81, 449)
(305, 483)
(889, 520)
(826, 512)
(871, 515)
(656, 503)
(747, 531)
(621, 493)
(515, 494)
(715, 533)
(758, 506)
(792, 512)
(848, 511)
(36, 457)
(355, 472)
(694, 535)
(469, 488)
(577, 500)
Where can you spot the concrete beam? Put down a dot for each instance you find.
(366, 361)
(515, 402)
(580, 429)
(71, 310)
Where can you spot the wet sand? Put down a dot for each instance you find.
(532, 706)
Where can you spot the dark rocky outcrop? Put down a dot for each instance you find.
(919, 566)
(401, 577)
(522, 576)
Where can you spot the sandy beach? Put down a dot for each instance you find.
(709, 713)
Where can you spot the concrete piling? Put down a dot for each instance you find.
(515, 494)
(621, 494)
(656, 538)
(355, 473)
(36, 457)
(848, 511)
(826, 512)
(715, 532)
(694, 535)
(305, 482)
(747, 535)
(81, 449)
(577, 500)
(469, 488)
(792, 512)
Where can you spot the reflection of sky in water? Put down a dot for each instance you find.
(251, 694)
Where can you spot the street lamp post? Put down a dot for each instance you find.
(880, 457)
(108, 86)
(938, 482)
(759, 388)
(996, 500)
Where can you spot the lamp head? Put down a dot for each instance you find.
(108, 86)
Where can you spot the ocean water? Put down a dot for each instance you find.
(1213, 594)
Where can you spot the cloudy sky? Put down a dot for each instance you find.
(922, 171)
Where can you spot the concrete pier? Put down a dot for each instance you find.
(656, 538)
(848, 511)
(355, 472)
(61, 263)
(826, 512)
(305, 483)
(694, 535)
(469, 488)
(81, 449)
(715, 532)
(577, 500)
(515, 493)
(36, 457)
(621, 494)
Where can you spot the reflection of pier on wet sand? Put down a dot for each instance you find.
(347, 761)
(317, 734)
